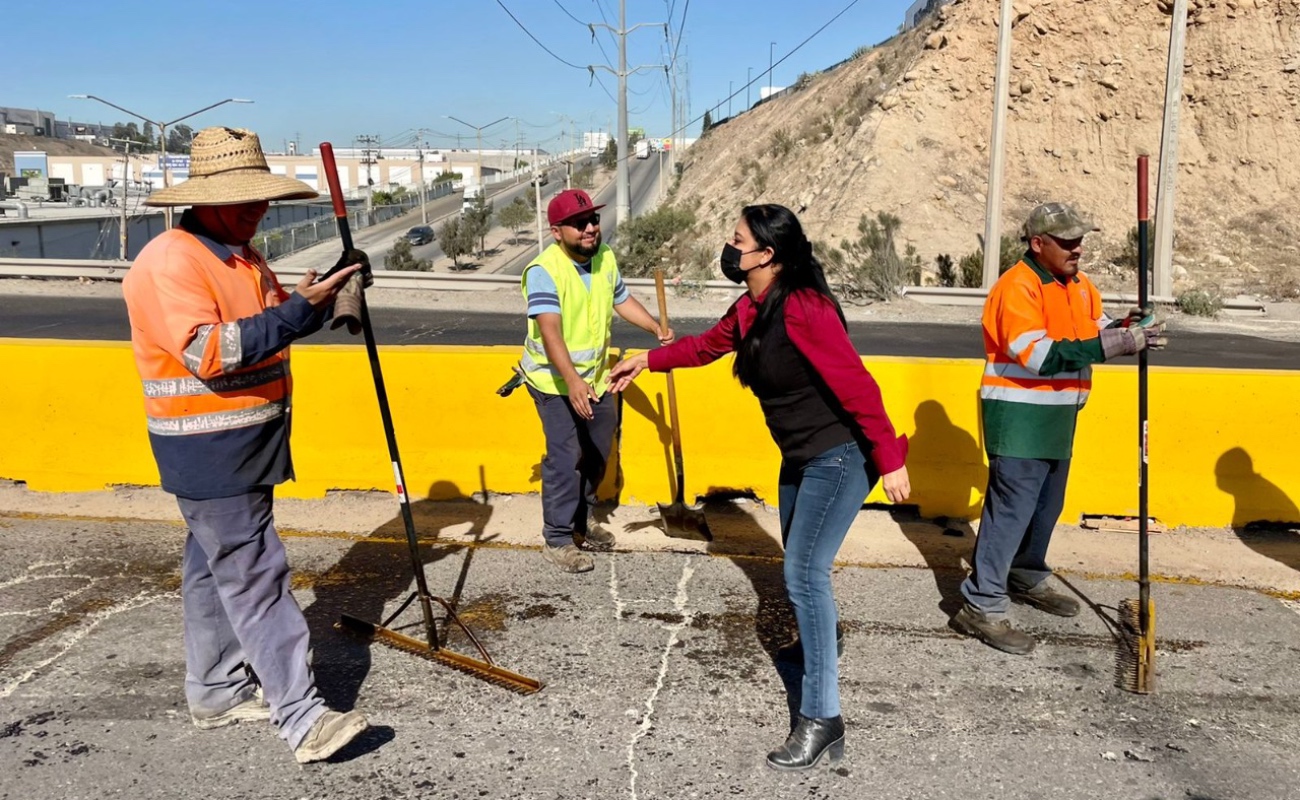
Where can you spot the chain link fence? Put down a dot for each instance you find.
(282, 241)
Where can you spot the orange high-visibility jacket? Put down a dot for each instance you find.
(210, 328)
(1040, 340)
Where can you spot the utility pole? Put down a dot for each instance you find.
(126, 180)
(366, 160)
(1163, 284)
(537, 189)
(749, 79)
(622, 191)
(770, 48)
(419, 152)
(993, 207)
(479, 129)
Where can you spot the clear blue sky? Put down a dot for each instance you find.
(333, 70)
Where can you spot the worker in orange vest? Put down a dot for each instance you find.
(210, 328)
(1044, 328)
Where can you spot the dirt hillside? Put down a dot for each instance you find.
(904, 129)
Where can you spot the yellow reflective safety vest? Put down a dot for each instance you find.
(585, 320)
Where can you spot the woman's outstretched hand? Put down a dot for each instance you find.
(625, 371)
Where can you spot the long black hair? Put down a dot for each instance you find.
(777, 227)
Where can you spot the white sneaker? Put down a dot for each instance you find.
(330, 734)
(254, 709)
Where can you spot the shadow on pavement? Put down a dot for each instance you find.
(1264, 517)
(374, 574)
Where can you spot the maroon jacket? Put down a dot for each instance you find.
(841, 391)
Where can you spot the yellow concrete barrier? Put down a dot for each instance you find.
(1222, 441)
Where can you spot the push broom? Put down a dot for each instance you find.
(1135, 669)
(433, 646)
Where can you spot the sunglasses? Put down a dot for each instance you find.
(581, 224)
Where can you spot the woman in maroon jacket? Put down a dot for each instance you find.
(825, 412)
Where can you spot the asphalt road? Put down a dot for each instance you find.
(662, 680)
(104, 319)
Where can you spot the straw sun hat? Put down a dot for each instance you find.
(227, 167)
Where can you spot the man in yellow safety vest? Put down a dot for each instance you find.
(573, 289)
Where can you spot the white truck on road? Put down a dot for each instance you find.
(642, 148)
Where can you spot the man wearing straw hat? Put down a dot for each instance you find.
(211, 328)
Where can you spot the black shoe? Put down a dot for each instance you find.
(809, 741)
(998, 634)
(794, 650)
(1044, 599)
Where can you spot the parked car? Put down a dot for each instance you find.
(420, 234)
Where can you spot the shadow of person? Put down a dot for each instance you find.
(1263, 516)
(946, 466)
(377, 571)
(739, 538)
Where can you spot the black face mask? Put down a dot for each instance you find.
(731, 263)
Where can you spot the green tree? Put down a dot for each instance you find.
(871, 266)
(478, 221)
(946, 269)
(455, 240)
(971, 267)
(584, 178)
(643, 241)
(514, 217)
(402, 258)
(609, 158)
(708, 123)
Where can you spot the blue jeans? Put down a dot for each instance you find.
(238, 608)
(818, 503)
(1023, 502)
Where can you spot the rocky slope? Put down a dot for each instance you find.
(905, 128)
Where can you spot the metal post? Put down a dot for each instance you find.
(993, 206)
(424, 211)
(749, 79)
(730, 92)
(162, 141)
(1163, 284)
(622, 193)
(126, 179)
(770, 48)
(537, 188)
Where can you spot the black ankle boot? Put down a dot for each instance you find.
(810, 740)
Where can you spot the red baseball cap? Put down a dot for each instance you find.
(568, 204)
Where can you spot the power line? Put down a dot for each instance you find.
(570, 16)
(779, 61)
(680, 29)
(534, 38)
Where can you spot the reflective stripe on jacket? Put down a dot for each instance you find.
(586, 318)
(1029, 402)
(209, 330)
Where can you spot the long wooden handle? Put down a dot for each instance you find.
(672, 389)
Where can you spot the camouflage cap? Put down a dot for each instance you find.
(1056, 219)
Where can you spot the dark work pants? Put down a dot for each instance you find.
(577, 451)
(1023, 502)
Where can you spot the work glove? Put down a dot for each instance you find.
(1117, 342)
(347, 304)
(355, 256)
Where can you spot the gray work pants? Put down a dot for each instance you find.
(577, 451)
(238, 609)
(1023, 502)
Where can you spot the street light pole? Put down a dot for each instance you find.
(162, 132)
(479, 129)
(769, 69)
(749, 79)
